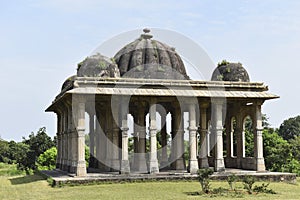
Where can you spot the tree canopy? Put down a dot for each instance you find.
(290, 128)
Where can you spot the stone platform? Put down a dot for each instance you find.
(60, 177)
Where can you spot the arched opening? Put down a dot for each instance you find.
(248, 137)
(233, 137)
(130, 124)
(89, 135)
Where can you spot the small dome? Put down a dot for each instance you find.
(227, 71)
(69, 83)
(148, 58)
(98, 66)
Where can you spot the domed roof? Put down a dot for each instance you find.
(227, 71)
(148, 58)
(98, 66)
(69, 83)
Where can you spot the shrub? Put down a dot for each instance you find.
(248, 182)
(204, 179)
(231, 179)
(46, 161)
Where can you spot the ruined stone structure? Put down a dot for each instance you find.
(147, 77)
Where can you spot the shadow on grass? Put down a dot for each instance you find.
(26, 179)
(193, 193)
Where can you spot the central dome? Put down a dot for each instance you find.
(148, 58)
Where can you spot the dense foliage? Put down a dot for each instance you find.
(290, 128)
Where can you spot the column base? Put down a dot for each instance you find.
(125, 168)
(219, 165)
(140, 163)
(180, 164)
(153, 167)
(80, 169)
(115, 165)
(203, 163)
(193, 166)
(260, 164)
(65, 166)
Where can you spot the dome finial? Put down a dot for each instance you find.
(146, 34)
(146, 30)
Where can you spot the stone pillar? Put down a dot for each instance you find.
(70, 129)
(109, 136)
(80, 169)
(153, 162)
(164, 153)
(92, 139)
(178, 139)
(59, 141)
(125, 167)
(258, 139)
(65, 142)
(140, 162)
(102, 141)
(193, 163)
(217, 129)
(115, 162)
(97, 140)
(203, 137)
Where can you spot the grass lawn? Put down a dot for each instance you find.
(35, 187)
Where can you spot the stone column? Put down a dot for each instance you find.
(109, 138)
(164, 153)
(217, 124)
(80, 140)
(70, 129)
(153, 162)
(140, 162)
(203, 137)
(193, 163)
(125, 167)
(65, 141)
(102, 140)
(115, 162)
(59, 141)
(178, 139)
(258, 139)
(92, 139)
(98, 152)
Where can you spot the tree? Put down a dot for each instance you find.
(38, 144)
(47, 160)
(290, 128)
(276, 150)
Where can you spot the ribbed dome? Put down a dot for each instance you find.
(148, 58)
(230, 72)
(98, 66)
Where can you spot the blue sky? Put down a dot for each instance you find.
(42, 42)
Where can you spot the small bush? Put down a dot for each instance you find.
(248, 182)
(204, 179)
(231, 179)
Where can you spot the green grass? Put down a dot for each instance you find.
(36, 187)
(9, 170)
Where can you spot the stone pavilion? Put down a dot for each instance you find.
(146, 79)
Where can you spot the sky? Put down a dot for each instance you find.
(42, 41)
